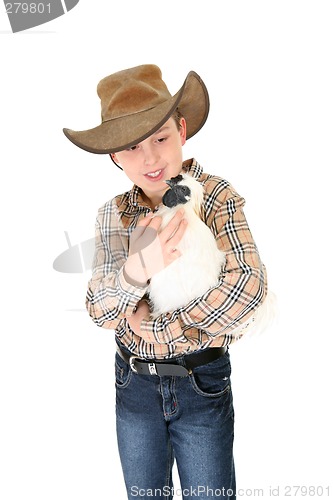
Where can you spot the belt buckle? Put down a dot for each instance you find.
(151, 366)
(131, 363)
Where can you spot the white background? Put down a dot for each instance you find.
(268, 68)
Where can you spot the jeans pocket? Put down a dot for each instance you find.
(123, 372)
(213, 379)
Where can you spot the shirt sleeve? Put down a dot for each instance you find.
(110, 296)
(241, 288)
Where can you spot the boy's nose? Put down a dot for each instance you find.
(150, 157)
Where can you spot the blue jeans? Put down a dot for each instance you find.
(189, 419)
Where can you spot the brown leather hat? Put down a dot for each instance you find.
(135, 103)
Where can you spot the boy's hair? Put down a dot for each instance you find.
(177, 116)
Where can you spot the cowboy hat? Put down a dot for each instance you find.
(135, 103)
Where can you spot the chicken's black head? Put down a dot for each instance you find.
(178, 194)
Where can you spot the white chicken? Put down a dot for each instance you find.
(190, 276)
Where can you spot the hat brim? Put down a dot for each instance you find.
(121, 133)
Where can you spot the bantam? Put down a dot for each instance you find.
(201, 261)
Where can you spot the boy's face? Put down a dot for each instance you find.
(158, 158)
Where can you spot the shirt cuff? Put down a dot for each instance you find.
(130, 285)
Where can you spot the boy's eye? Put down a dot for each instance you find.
(161, 139)
(133, 148)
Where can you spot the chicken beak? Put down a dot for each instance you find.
(169, 183)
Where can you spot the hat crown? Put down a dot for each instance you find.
(131, 91)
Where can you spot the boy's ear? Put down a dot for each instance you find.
(182, 130)
(114, 158)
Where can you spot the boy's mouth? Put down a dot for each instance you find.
(156, 175)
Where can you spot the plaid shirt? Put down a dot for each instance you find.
(207, 321)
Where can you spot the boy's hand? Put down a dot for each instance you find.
(150, 251)
(142, 312)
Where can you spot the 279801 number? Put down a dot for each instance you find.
(28, 8)
(311, 491)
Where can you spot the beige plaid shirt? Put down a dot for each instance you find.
(207, 321)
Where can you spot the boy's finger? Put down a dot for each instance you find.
(146, 220)
(179, 233)
(172, 226)
(155, 222)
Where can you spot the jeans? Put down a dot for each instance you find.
(187, 419)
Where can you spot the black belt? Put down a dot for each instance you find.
(165, 367)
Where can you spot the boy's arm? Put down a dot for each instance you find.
(111, 295)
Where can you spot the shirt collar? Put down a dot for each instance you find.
(193, 168)
(135, 196)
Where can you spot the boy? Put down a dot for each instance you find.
(173, 392)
